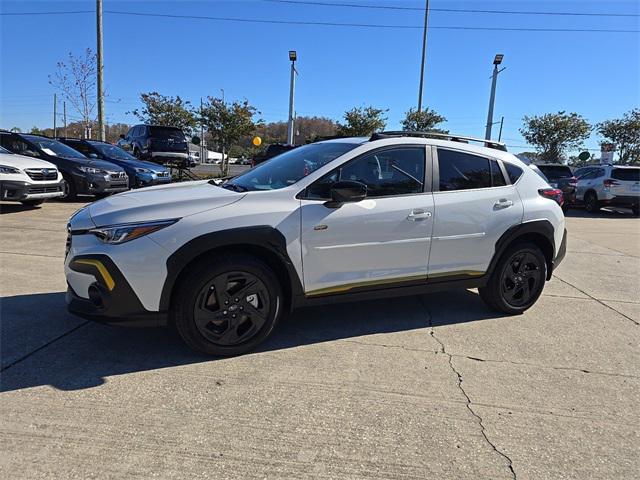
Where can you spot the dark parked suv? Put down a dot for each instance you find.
(165, 145)
(80, 174)
(140, 172)
(560, 176)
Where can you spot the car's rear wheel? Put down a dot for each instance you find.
(228, 305)
(69, 192)
(591, 202)
(517, 281)
(32, 203)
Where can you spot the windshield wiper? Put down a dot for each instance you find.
(234, 186)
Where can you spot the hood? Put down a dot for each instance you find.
(134, 163)
(22, 161)
(111, 167)
(176, 200)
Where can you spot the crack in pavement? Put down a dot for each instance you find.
(464, 393)
(42, 347)
(597, 300)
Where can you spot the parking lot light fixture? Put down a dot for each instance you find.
(498, 59)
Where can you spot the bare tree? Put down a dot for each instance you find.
(76, 81)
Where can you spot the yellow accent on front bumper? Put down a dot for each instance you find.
(106, 276)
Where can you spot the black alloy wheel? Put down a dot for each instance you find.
(227, 305)
(231, 308)
(521, 278)
(591, 202)
(517, 280)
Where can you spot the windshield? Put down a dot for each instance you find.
(4, 150)
(111, 151)
(167, 132)
(289, 167)
(55, 148)
(555, 171)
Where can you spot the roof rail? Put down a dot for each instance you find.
(441, 136)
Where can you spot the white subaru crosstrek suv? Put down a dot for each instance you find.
(400, 213)
(27, 180)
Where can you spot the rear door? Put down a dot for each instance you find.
(474, 205)
(380, 240)
(589, 181)
(626, 182)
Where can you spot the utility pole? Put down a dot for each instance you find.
(64, 116)
(424, 53)
(222, 162)
(203, 155)
(101, 133)
(55, 114)
(496, 61)
(501, 123)
(293, 56)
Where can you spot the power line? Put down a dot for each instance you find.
(339, 24)
(16, 14)
(455, 10)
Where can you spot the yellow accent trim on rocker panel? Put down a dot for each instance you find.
(368, 283)
(106, 276)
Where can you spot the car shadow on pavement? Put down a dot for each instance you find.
(7, 208)
(42, 344)
(602, 213)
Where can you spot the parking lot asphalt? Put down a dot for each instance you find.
(435, 386)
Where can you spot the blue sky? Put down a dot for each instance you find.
(594, 74)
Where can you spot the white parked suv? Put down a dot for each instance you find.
(28, 180)
(608, 185)
(400, 213)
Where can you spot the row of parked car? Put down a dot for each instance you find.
(594, 186)
(34, 168)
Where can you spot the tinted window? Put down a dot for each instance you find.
(291, 166)
(581, 172)
(462, 171)
(588, 175)
(554, 172)
(599, 172)
(497, 178)
(167, 132)
(628, 174)
(513, 172)
(398, 171)
(54, 147)
(16, 145)
(81, 147)
(113, 151)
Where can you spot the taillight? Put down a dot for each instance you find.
(609, 182)
(553, 194)
(573, 182)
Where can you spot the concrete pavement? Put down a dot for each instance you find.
(422, 387)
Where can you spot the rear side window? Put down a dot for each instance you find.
(513, 172)
(553, 172)
(167, 132)
(81, 147)
(462, 171)
(626, 174)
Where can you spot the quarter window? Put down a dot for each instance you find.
(497, 179)
(397, 171)
(513, 172)
(462, 171)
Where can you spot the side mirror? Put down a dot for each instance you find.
(346, 191)
(93, 155)
(30, 153)
(122, 136)
(195, 140)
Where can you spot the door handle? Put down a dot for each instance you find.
(418, 214)
(502, 203)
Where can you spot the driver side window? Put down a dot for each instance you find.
(391, 172)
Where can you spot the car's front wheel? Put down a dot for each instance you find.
(69, 192)
(228, 305)
(591, 202)
(517, 281)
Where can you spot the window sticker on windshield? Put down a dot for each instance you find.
(48, 151)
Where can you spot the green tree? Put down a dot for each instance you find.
(624, 134)
(362, 121)
(423, 121)
(159, 109)
(553, 134)
(228, 123)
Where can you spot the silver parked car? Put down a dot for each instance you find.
(608, 185)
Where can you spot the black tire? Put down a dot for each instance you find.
(591, 202)
(32, 203)
(202, 317)
(136, 153)
(515, 286)
(636, 211)
(70, 193)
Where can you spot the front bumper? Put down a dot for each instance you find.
(149, 179)
(111, 298)
(21, 191)
(622, 201)
(96, 184)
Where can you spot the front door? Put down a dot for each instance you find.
(381, 240)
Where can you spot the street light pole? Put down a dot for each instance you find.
(496, 61)
(293, 56)
(101, 133)
(424, 53)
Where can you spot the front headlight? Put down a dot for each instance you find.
(84, 169)
(7, 169)
(143, 170)
(116, 234)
